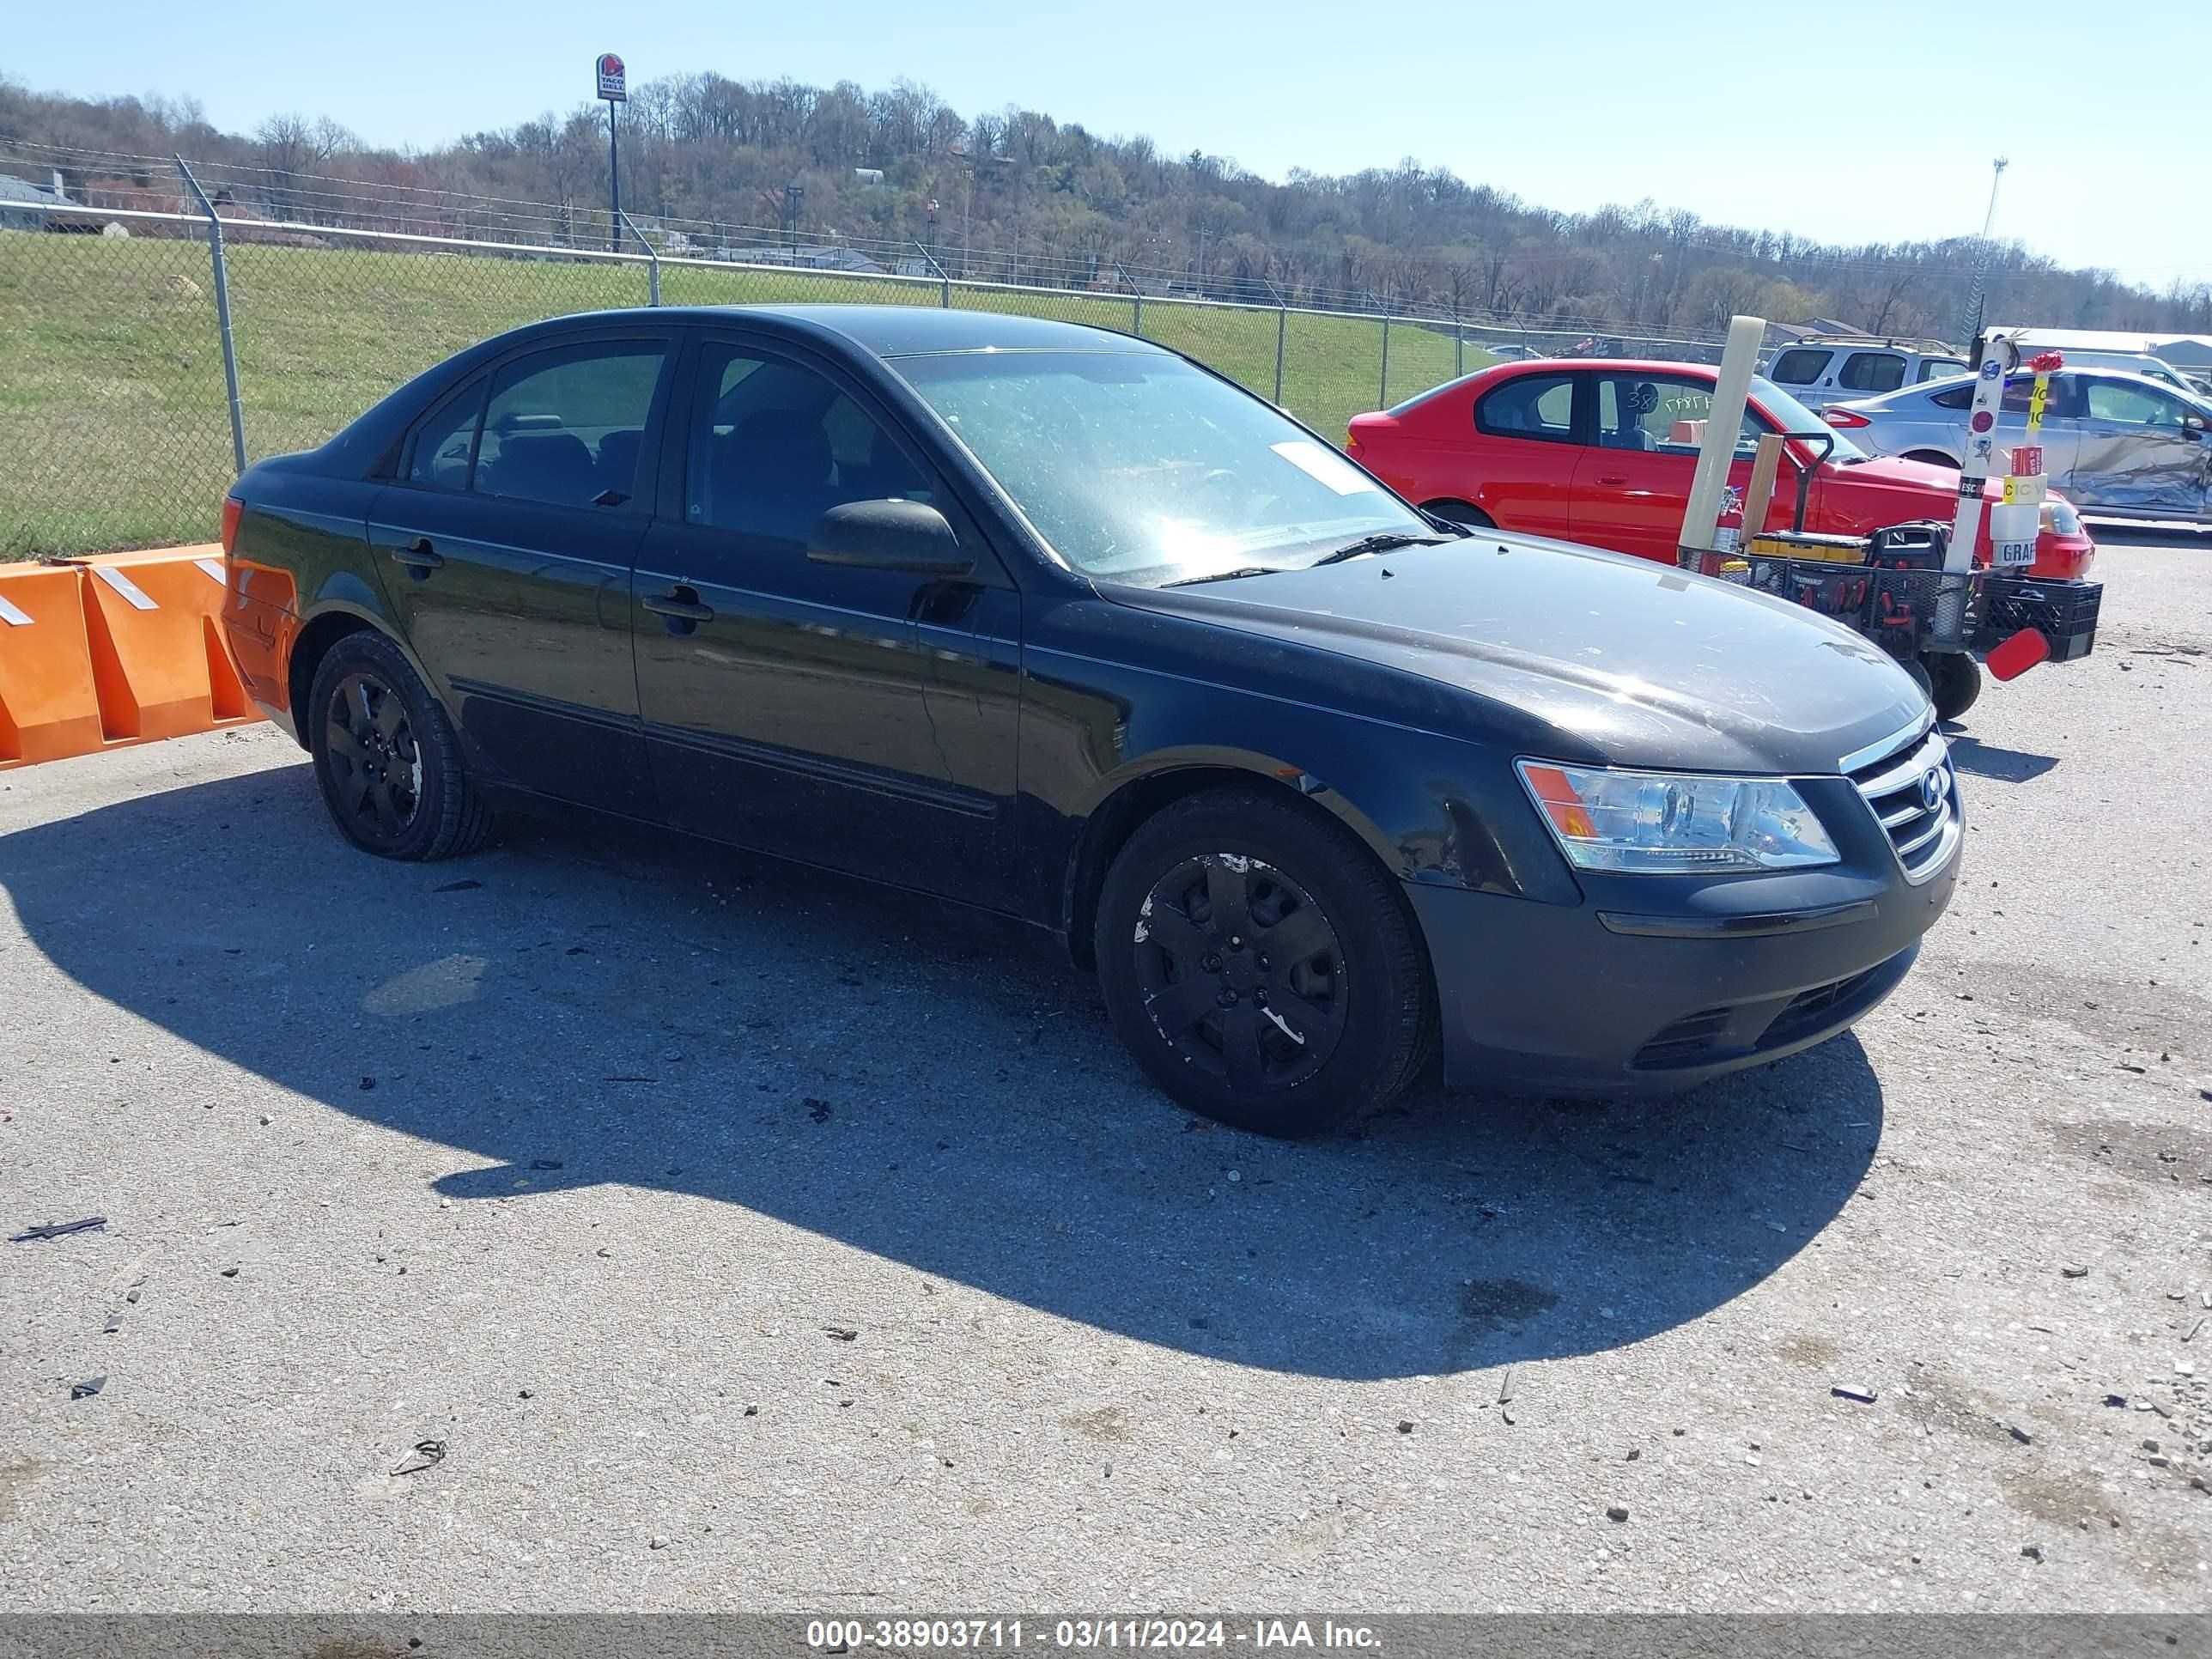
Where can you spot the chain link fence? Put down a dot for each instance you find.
(115, 407)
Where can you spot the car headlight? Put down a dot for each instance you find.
(1657, 823)
(2060, 519)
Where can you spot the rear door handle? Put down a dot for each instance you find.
(418, 556)
(681, 603)
(1609, 478)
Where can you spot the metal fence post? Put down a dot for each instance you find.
(651, 258)
(221, 314)
(1136, 300)
(1384, 402)
(1282, 333)
(944, 282)
(1459, 346)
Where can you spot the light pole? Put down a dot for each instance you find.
(1982, 254)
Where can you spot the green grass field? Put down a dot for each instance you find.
(113, 409)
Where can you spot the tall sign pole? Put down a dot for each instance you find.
(614, 87)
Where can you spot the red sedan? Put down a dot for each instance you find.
(1601, 452)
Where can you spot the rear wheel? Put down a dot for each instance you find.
(1463, 513)
(1954, 682)
(386, 757)
(1260, 964)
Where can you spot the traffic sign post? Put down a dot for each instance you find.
(613, 86)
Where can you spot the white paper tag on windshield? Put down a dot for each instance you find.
(1327, 466)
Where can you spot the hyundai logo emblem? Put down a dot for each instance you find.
(1931, 787)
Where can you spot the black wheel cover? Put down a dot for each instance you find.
(1241, 972)
(376, 766)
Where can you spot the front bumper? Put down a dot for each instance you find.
(1633, 992)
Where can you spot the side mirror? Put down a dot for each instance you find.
(2192, 426)
(889, 534)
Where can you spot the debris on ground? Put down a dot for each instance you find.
(841, 1333)
(817, 1110)
(114, 1324)
(90, 1387)
(1506, 1387)
(428, 1454)
(2074, 1270)
(2019, 1434)
(1405, 1425)
(658, 1542)
(752, 1410)
(368, 1083)
(230, 1272)
(59, 1229)
(1616, 1513)
(465, 885)
(547, 1163)
(1857, 1391)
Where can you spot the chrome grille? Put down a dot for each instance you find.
(1896, 787)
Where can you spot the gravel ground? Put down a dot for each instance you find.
(754, 1240)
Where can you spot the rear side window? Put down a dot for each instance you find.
(1938, 369)
(1872, 371)
(446, 443)
(1800, 365)
(565, 427)
(1957, 397)
(1529, 406)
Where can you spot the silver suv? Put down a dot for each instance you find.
(1828, 368)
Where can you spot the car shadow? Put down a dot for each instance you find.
(934, 1085)
(1986, 760)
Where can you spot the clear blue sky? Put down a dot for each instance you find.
(1838, 122)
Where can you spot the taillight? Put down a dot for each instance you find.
(232, 508)
(1845, 420)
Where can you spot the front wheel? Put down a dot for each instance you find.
(387, 757)
(1260, 965)
(1954, 682)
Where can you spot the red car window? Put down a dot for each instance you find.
(1540, 407)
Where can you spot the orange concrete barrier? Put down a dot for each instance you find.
(115, 649)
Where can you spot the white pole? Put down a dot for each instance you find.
(1739, 363)
(2000, 356)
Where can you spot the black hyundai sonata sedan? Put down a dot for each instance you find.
(1052, 621)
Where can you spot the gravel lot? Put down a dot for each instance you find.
(755, 1240)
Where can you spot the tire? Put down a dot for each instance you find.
(1462, 514)
(1191, 899)
(386, 757)
(1954, 682)
(1929, 457)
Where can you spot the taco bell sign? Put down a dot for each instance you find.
(611, 79)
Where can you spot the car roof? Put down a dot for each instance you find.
(879, 330)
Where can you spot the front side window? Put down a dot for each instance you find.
(1662, 413)
(1872, 371)
(2132, 405)
(1139, 467)
(1799, 366)
(1529, 406)
(774, 446)
(565, 427)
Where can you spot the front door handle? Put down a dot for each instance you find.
(418, 556)
(680, 603)
(1610, 479)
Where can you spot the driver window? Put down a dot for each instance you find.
(2134, 405)
(774, 447)
(1662, 415)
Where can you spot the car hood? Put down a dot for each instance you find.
(1620, 659)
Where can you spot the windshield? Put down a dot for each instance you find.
(1796, 417)
(1138, 467)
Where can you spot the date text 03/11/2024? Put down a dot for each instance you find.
(954, 1635)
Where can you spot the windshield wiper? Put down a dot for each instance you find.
(1390, 541)
(1223, 576)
